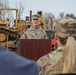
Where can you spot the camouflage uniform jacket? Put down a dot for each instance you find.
(33, 33)
(48, 64)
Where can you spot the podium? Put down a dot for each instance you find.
(33, 48)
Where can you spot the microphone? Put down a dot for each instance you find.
(15, 41)
(25, 29)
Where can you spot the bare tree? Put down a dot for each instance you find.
(4, 4)
(46, 17)
(5, 14)
(49, 19)
(20, 8)
(61, 14)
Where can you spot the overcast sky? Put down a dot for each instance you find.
(54, 6)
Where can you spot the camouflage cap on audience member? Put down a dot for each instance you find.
(65, 24)
(36, 16)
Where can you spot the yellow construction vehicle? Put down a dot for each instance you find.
(5, 27)
(18, 27)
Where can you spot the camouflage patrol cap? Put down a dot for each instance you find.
(66, 25)
(36, 16)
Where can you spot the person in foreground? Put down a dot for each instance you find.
(35, 32)
(63, 59)
(12, 64)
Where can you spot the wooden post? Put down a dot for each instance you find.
(7, 43)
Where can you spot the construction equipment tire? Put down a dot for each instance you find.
(2, 37)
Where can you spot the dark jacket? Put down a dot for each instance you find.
(12, 64)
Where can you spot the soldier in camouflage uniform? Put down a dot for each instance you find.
(62, 60)
(35, 32)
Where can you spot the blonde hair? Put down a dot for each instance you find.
(69, 57)
(68, 53)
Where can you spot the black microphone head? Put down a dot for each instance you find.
(28, 26)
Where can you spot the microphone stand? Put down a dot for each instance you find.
(15, 41)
